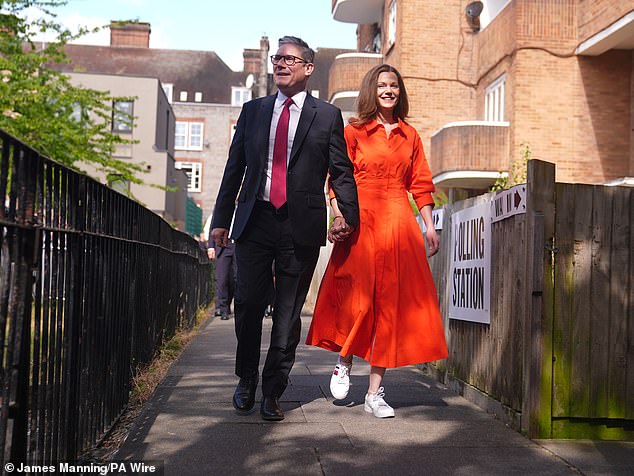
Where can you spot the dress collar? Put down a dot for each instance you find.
(373, 125)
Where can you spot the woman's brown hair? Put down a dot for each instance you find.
(367, 101)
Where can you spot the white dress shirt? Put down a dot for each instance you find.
(295, 111)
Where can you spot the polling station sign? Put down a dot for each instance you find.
(470, 270)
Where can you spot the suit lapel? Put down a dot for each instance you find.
(266, 114)
(305, 120)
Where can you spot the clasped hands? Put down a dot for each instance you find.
(339, 230)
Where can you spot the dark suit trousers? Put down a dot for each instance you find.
(267, 239)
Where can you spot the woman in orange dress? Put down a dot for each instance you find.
(377, 299)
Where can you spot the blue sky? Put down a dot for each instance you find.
(223, 26)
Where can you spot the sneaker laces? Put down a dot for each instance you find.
(378, 397)
(342, 370)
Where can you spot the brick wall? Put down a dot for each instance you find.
(572, 110)
(433, 52)
(595, 15)
(603, 111)
(130, 34)
(470, 147)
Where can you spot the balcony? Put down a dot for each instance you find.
(358, 11)
(469, 154)
(346, 73)
(617, 36)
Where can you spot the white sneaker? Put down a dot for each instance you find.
(340, 381)
(375, 404)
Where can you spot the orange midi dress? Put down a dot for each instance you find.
(377, 299)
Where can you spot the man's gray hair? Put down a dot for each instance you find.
(307, 53)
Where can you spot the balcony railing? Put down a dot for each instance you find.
(469, 154)
(345, 77)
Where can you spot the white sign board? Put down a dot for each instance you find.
(437, 215)
(508, 203)
(470, 269)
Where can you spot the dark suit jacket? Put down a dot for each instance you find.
(318, 148)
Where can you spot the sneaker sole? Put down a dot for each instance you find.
(369, 410)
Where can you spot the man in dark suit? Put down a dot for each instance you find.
(282, 150)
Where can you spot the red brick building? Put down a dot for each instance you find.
(486, 78)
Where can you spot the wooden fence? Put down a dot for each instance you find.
(557, 359)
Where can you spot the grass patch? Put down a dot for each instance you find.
(144, 382)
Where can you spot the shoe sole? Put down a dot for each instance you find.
(369, 410)
(272, 418)
(244, 412)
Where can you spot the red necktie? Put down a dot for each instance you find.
(278, 170)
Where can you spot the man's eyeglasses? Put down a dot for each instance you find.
(289, 60)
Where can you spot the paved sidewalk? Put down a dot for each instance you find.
(191, 426)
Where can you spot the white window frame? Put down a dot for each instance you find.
(198, 97)
(183, 96)
(169, 91)
(192, 134)
(193, 170)
(391, 24)
(494, 100)
(240, 95)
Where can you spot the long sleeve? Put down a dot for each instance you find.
(341, 180)
(419, 179)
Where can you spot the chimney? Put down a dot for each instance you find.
(263, 79)
(134, 34)
(251, 61)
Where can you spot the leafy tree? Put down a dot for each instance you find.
(517, 172)
(41, 107)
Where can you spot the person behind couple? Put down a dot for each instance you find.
(283, 148)
(377, 299)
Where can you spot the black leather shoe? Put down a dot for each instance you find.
(244, 396)
(270, 409)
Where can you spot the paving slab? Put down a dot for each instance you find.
(190, 425)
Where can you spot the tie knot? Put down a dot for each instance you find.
(288, 102)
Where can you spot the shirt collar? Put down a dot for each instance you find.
(373, 125)
(298, 99)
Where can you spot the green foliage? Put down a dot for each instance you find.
(517, 172)
(41, 107)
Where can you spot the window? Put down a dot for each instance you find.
(188, 135)
(193, 171)
(183, 96)
(315, 93)
(198, 97)
(494, 101)
(391, 24)
(169, 92)
(122, 116)
(240, 95)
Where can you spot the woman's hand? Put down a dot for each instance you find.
(433, 242)
(339, 230)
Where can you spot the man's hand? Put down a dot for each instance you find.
(339, 230)
(220, 236)
(211, 253)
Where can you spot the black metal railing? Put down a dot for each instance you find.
(91, 284)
